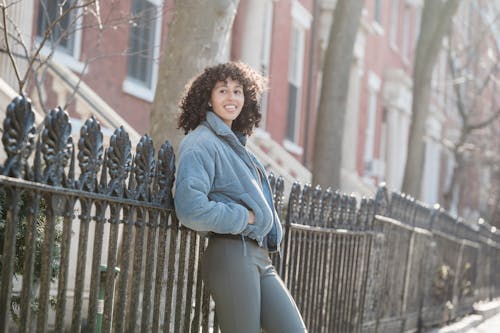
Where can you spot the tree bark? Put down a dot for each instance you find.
(436, 19)
(198, 36)
(327, 159)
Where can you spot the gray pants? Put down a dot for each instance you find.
(248, 293)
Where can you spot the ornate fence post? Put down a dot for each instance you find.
(164, 180)
(57, 149)
(292, 216)
(375, 264)
(118, 163)
(90, 156)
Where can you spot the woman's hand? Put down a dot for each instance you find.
(251, 217)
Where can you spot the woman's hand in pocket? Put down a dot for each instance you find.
(251, 217)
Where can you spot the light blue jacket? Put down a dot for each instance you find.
(218, 180)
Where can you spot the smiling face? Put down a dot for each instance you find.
(227, 100)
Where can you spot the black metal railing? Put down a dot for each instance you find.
(90, 242)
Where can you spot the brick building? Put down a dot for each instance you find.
(286, 40)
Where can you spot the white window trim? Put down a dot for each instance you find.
(301, 54)
(64, 59)
(374, 83)
(298, 80)
(418, 22)
(379, 30)
(383, 146)
(69, 60)
(265, 56)
(136, 88)
(405, 47)
(261, 133)
(377, 26)
(301, 15)
(302, 20)
(431, 170)
(292, 147)
(393, 35)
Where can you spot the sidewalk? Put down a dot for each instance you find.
(491, 325)
(486, 319)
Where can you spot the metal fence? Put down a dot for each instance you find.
(97, 248)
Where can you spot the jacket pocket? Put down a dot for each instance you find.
(263, 216)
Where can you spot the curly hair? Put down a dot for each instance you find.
(194, 102)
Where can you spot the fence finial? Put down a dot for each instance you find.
(165, 175)
(144, 166)
(119, 159)
(18, 136)
(381, 200)
(90, 154)
(56, 146)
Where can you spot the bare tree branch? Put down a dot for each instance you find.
(484, 123)
(460, 103)
(18, 37)
(4, 7)
(49, 30)
(465, 65)
(482, 86)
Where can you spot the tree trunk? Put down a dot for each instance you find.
(436, 19)
(198, 36)
(327, 160)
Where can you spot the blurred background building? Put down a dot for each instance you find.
(110, 69)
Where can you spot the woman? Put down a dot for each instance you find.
(222, 192)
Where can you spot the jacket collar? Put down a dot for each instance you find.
(236, 140)
(220, 128)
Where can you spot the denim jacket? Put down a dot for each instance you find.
(218, 181)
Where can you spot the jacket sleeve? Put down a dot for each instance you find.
(192, 205)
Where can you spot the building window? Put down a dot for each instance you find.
(418, 23)
(144, 49)
(442, 78)
(301, 23)
(142, 42)
(62, 28)
(373, 90)
(377, 13)
(439, 79)
(431, 171)
(406, 33)
(295, 70)
(383, 142)
(394, 23)
(266, 55)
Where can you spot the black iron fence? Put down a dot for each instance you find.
(98, 247)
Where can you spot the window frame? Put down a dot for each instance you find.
(374, 84)
(393, 33)
(405, 43)
(301, 23)
(295, 77)
(68, 58)
(265, 56)
(134, 86)
(377, 12)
